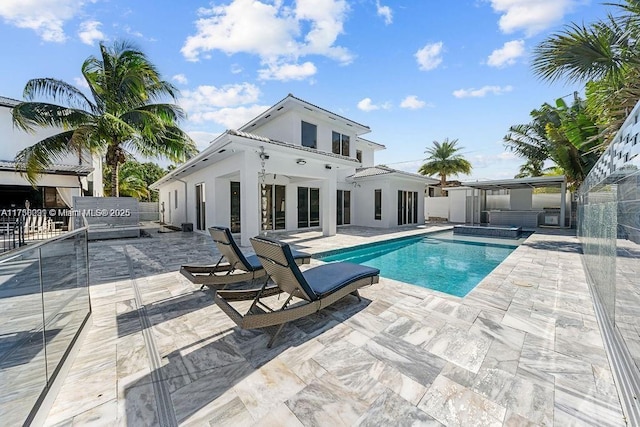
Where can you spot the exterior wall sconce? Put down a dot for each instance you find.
(301, 161)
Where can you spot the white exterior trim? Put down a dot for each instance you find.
(274, 141)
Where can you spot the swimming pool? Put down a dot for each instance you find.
(439, 261)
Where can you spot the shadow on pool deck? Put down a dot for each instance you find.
(522, 347)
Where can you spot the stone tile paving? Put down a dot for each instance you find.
(523, 348)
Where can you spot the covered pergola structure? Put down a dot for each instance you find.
(521, 196)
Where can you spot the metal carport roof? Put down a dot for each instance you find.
(529, 182)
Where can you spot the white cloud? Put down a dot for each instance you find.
(180, 78)
(286, 72)
(230, 118)
(367, 105)
(278, 34)
(412, 102)
(506, 55)
(81, 82)
(214, 97)
(225, 105)
(90, 32)
(430, 56)
(531, 16)
(482, 92)
(385, 12)
(202, 138)
(45, 17)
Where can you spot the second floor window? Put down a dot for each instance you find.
(340, 144)
(309, 135)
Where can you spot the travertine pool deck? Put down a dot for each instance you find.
(523, 348)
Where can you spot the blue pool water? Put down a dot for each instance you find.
(437, 261)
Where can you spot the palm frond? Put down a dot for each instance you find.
(58, 91)
(30, 115)
(581, 53)
(39, 156)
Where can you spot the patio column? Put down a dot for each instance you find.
(250, 200)
(329, 204)
(563, 202)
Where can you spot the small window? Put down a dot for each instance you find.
(340, 144)
(175, 199)
(377, 204)
(359, 155)
(309, 135)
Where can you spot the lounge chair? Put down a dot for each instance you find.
(237, 267)
(309, 291)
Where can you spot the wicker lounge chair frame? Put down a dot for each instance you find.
(236, 268)
(277, 259)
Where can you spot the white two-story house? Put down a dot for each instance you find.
(296, 166)
(72, 175)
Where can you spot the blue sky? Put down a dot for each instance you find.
(414, 71)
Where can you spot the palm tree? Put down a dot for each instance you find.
(605, 56)
(443, 159)
(125, 114)
(566, 135)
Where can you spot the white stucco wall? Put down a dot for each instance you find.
(458, 204)
(288, 128)
(520, 199)
(364, 200)
(436, 207)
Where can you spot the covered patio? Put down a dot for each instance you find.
(521, 211)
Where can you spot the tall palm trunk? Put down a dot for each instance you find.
(115, 169)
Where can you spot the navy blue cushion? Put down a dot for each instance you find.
(328, 278)
(254, 263)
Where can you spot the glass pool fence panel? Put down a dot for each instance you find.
(609, 230)
(44, 303)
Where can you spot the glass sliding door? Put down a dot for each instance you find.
(275, 195)
(279, 207)
(308, 207)
(200, 207)
(343, 215)
(314, 207)
(235, 207)
(407, 207)
(303, 207)
(339, 206)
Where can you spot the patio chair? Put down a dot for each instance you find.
(309, 291)
(237, 267)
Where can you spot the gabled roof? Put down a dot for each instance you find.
(385, 170)
(219, 149)
(372, 144)
(286, 144)
(289, 102)
(80, 170)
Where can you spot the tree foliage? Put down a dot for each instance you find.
(126, 113)
(135, 178)
(605, 56)
(565, 135)
(443, 159)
